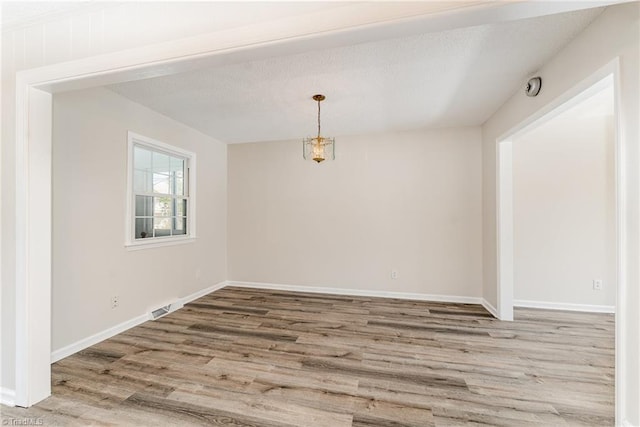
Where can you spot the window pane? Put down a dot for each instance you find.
(141, 182)
(144, 206)
(177, 174)
(161, 163)
(161, 183)
(179, 225)
(143, 228)
(179, 183)
(162, 206)
(141, 159)
(162, 227)
(181, 207)
(177, 166)
(160, 193)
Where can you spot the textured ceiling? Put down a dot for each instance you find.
(453, 78)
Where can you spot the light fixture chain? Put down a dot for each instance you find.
(318, 120)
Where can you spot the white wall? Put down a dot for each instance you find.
(90, 30)
(90, 261)
(613, 34)
(564, 209)
(408, 201)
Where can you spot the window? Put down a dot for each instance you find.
(161, 193)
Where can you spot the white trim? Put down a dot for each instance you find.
(158, 243)
(24, 300)
(7, 397)
(504, 229)
(621, 249)
(201, 293)
(156, 145)
(490, 308)
(565, 306)
(33, 243)
(626, 423)
(96, 338)
(357, 292)
(121, 327)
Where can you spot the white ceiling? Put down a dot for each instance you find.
(457, 77)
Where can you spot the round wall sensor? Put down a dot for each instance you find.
(533, 86)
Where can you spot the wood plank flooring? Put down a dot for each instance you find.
(245, 357)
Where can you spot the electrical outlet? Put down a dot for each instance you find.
(597, 284)
(394, 274)
(114, 302)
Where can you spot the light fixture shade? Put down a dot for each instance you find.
(319, 149)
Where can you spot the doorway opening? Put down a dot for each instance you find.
(564, 208)
(603, 83)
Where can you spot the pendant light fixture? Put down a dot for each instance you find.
(318, 148)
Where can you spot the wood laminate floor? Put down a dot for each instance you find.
(269, 358)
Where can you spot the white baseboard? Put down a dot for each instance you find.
(627, 423)
(96, 338)
(357, 292)
(565, 306)
(202, 292)
(490, 308)
(7, 397)
(115, 330)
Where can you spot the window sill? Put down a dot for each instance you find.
(138, 245)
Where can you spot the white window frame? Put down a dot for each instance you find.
(131, 243)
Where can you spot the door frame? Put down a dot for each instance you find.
(504, 207)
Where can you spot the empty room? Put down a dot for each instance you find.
(320, 213)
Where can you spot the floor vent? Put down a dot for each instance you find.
(164, 310)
